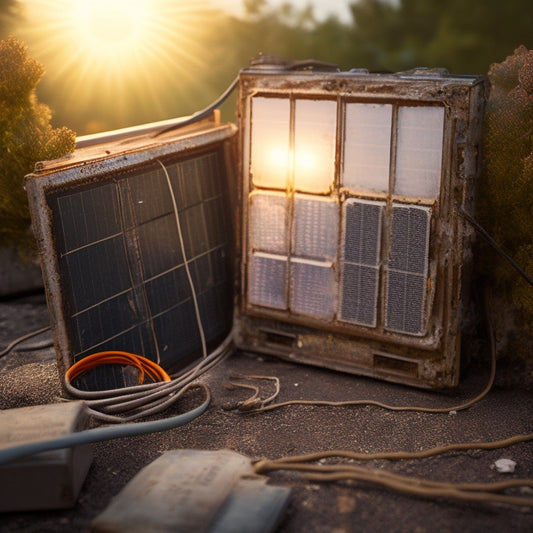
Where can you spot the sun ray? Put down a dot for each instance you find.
(124, 59)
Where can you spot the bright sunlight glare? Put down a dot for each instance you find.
(115, 27)
(127, 56)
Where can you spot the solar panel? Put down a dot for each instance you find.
(116, 271)
(351, 251)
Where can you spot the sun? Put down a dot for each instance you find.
(110, 37)
(114, 28)
(119, 57)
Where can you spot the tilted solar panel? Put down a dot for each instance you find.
(114, 264)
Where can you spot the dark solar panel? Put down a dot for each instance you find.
(121, 264)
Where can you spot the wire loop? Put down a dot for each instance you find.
(144, 365)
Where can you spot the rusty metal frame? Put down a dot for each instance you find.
(431, 360)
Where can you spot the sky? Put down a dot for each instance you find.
(322, 8)
(134, 53)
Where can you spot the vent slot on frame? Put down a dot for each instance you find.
(278, 338)
(397, 365)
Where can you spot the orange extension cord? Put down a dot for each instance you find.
(144, 365)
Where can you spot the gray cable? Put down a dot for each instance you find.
(131, 403)
(204, 113)
(10, 347)
(106, 433)
(485, 234)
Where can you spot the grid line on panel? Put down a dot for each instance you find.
(100, 302)
(99, 206)
(103, 321)
(91, 248)
(97, 273)
(89, 245)
(142, 193)
(158, 246)
(178, 266)
(98, 345)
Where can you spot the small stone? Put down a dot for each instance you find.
(504, 466)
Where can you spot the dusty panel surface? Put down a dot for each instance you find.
(351, 245)
(114, 263)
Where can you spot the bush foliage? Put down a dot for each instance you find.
(506, 192)
(26, 137)
(505, 200)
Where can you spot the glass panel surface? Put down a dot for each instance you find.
(314, 145)
(367, 147)
(270, 142)
(419, 151)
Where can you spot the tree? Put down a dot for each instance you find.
(464, 37)
(26, 137)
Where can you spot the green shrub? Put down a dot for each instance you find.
(26, 137)
(505, 202)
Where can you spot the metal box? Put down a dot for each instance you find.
(352, 254)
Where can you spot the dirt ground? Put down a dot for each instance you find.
(31, 378)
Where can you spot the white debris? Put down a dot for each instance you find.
(504, 466)
(452, 413)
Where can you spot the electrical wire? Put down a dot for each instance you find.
(254, 402)
(185, 260)
(480, 492)
(108, 432)
(143, 365)
(30, 335)
(403, 455)
(255, 405)
(484, 233)
(131, 403)
(307, 64)
(473, 492)
(204, 113)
